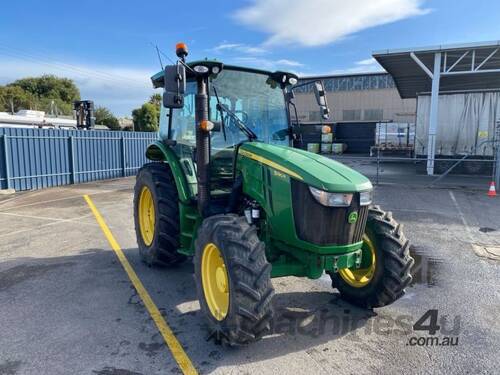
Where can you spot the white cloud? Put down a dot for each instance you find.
(239, 47)
(370, 61)
(358, 69)
(362, 66)
(226, 46)
(121, 89)
(267, 64)
(320, 22)
(286, 62)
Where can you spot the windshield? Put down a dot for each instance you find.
(256, 100)
(247, 101)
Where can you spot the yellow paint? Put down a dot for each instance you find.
(270, 163)
(279, 174)
(146, 216)
(361, 277)
(215, 281)
(173, 344)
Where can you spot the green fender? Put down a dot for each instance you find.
(158, 151)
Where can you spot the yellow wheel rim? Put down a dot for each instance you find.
(215, 281)
(359, 278)
(146, 216)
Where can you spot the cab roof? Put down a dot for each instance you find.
(157, 79)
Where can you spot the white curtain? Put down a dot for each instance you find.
(465, 121)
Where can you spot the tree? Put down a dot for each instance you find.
(146, 118)
(13, 98)
(49, 89)
(103, 116)
(156, 99)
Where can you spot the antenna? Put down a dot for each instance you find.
(159, 57)
(169, 59)
(178, 61)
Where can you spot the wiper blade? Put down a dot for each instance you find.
(241, 125)
(222, 124)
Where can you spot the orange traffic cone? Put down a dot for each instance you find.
(492, 192)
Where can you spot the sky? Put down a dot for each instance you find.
(108, 47)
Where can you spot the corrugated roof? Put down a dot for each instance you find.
(411, 79)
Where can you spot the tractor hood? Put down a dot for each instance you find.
(315, 170)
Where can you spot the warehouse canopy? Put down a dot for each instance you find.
(463, 67)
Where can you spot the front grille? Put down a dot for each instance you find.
(322, 225)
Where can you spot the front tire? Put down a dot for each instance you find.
(156, 215)
(233, 280)
(386, 273)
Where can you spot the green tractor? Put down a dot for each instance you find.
(227, 187)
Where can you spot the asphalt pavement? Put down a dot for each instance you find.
(68, 307)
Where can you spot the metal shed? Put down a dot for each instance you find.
(473, 67)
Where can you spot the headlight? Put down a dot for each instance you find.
(331, 199)
(365, 197)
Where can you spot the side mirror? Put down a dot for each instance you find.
(174, 85)
(319, 92)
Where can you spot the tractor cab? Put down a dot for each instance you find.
(244, 104)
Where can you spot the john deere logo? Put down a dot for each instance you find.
(353, 217)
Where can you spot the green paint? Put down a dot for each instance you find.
(158, 151)
(315, 170)
(272, 191)
(266, 170)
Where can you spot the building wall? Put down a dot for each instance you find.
(371, 97)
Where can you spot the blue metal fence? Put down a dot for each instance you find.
(40, 158)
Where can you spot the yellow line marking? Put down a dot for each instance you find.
(174, 345)
(270, 163)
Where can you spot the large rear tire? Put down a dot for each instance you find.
(386, 274)
(233, 280)
(156, 215)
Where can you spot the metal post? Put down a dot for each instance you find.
(71, 153)
(378, 162)
(496, 146)
(497, 167)
(433, 120)
(123, 156)
(6, 154)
